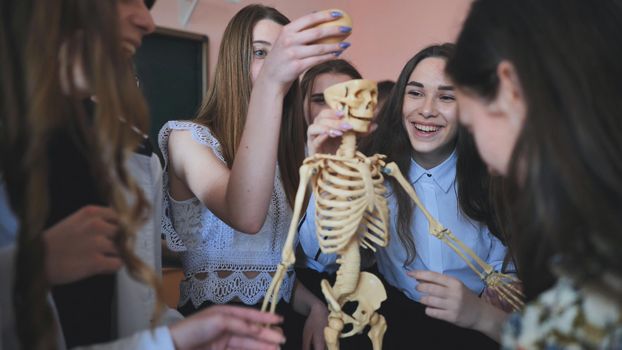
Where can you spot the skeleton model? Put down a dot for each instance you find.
(351, 211)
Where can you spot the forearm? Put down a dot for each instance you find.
(251, 179)
(158, 338)
(303, 300)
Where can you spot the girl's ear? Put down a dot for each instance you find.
(509, 102)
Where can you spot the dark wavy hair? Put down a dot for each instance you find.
(566, 168)
(391, 138)
(385, 87)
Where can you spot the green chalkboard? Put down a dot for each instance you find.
(171, 68)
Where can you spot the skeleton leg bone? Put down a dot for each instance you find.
(376, 332)
(333, 330)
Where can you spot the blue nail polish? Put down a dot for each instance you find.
(337, 53)
(335, 133)
(344, 45)
(345, 126)
(345, 29)
(335, 14)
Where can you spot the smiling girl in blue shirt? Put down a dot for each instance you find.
(427, 282)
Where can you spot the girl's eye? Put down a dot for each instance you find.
(319, 99)
(260, 53)
(447, 98)
(415, 93)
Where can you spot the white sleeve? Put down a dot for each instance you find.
(157, 339)
(314, 258)
(8, 220)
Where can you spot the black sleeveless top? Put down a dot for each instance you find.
(84, 307)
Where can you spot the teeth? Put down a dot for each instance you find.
(427, 128)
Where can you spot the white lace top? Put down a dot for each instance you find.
(207, 245)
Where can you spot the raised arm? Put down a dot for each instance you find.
(240, 196)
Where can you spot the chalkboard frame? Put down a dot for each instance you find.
(181, 34)
(153, 84)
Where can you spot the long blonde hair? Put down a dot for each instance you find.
(33, 107)
(225, 107)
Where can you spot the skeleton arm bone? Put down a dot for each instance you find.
(493, 279)
(436, 229)
(288, 258)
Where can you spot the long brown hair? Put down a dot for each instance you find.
(225, 107)
(391, 139)
(333, 66)
(566, 165)
(33, 107)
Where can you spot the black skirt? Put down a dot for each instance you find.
(312, 279)
(409, 327)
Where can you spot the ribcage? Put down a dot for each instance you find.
(350, 203)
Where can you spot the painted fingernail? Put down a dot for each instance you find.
(337, 53)
(345, 126)
(335, 14)
(335, 133)
(344, 45)
(339, 113)
(345, 29)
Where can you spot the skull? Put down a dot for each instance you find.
(357, 99)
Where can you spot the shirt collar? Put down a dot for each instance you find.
(443, 174)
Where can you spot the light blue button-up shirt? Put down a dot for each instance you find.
(8, 220)
(437, 190)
